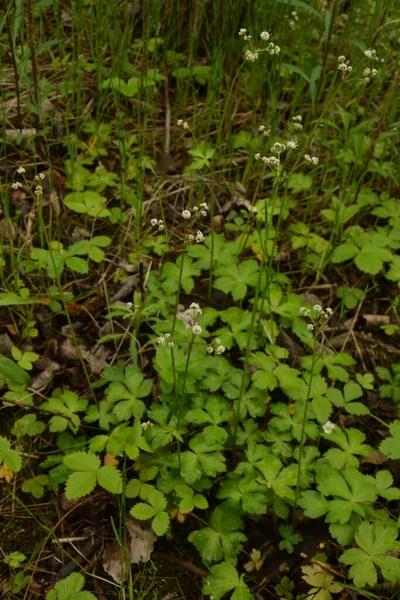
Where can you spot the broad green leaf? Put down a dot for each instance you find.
(160, 523)
(80, 484)
(110, 478)
(82, 461)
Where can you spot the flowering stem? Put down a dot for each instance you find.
(303, 429)
(182, 396)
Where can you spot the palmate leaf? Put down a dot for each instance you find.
(375, 542)
(222, 579)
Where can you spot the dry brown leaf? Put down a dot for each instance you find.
(111, 459)
(6, 473)
(140, 543)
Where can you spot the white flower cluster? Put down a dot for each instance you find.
(193, 312)
(296, 122)
(165, 340)
(278, 148)
(146, 424)
(273, 49)
(243, 33)
(250, 56)
(198, 238)
(264, 130)
(157, 223)
(371, 53)
(265, 35)
(201, 209)
(39, 190)
(344, 65)
(311, 160)
(291, 145)
(16, 185)
(186, 214)
(182, 123)
(317, 315)
(217, 347)
(368, 73)
(328, 427)
(271, 161)
(20, 170)
(294, 19)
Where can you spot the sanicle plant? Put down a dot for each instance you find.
(227, 407)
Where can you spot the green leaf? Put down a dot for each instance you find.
(160, 523)
(391, 446)
(9, 457)
(110, 478)
(82, 461)
(371, 258)
(375, 542)
(222, 579)
(344, 252)
(13, 372)
(75, 263)
(143, 511)
(70, 588)
(80, 484)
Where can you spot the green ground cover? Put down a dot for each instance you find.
(199, 300)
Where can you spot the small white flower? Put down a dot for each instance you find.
(41, 176)
(314, 160)
(146, 424)
(38, 190)
(317, 308)
(170, 344)
(273, 49)
(220, 349)
(20, 170)
(303, 311)
(278, 148)
(161, 341)
(310, 327)
(297, 118)
(257, 156)
(154, 222)
(129, 305)
(196, 330)
(329, 312)
(204, 205)
(16, 185)
(196, 308)
(274, 161)
(199, 237)
(265, 35)
(210, 349)
(167, 336)
(370, 53)
(161, 227)
(186, 214)
(242, 32)
(217, 341)
(190, 238)
(250, 56)
(182, 123)
(328, 427)
(203, 213)
(292, 144)
(341, 58)
(298, 126)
